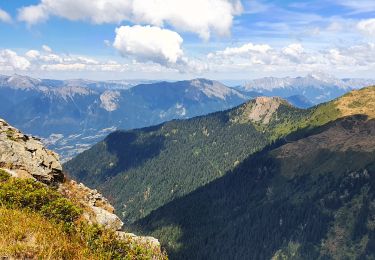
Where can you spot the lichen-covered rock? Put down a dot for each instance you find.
(149, 241)
(25, 156)
(107, 219)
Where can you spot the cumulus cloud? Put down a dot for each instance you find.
(245, 49)
(149, 43)
(294, 52)
(293, 57)
(367, 27)
(46, 48)
(358, 6)
(240, 60)
(45, 60)
(4, 16)
(33, 14)
(248, 53)
(48, 60)
(10, 60)
(199, 16)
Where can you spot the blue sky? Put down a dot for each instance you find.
(175, 39)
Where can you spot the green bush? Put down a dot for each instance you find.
(106, 243)
(4, 176)
(61, 209)
(35, 196)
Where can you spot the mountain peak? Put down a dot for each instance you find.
(22, 82)
(214, 89)
(260, 109)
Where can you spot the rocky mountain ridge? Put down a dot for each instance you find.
(25, 157)
(71, 115)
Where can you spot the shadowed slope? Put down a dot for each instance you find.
(307, 199)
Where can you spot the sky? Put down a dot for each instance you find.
(181, 39)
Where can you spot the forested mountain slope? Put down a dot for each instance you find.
(141, 170)
(309, 197)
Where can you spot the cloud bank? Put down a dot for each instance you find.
(202, 17)
(248, 58)
(367, 27)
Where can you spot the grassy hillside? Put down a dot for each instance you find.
(37, 222)
(310, 198)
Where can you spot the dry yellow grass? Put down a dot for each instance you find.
(26, 235)
(358, 102)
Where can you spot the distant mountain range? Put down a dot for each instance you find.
(315, 88)
(71, 115)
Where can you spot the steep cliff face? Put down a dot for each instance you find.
(24, 157)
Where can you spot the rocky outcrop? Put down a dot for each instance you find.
(149, 241)
(98, 209)
(25, 156)
(109, 100)
(259, 110)
(263, 108)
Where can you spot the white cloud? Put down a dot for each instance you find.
(367, 27)
(9, 60)
(32, 54)
(199, 16)
(33, 14)
(293, 58)
(202, 17)
(149, 43)
(4, 16)
(294, 52)
(358, 6)
(42, 61)
(249, 53)
(247, 59)
(46, 48)
(245, 49)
